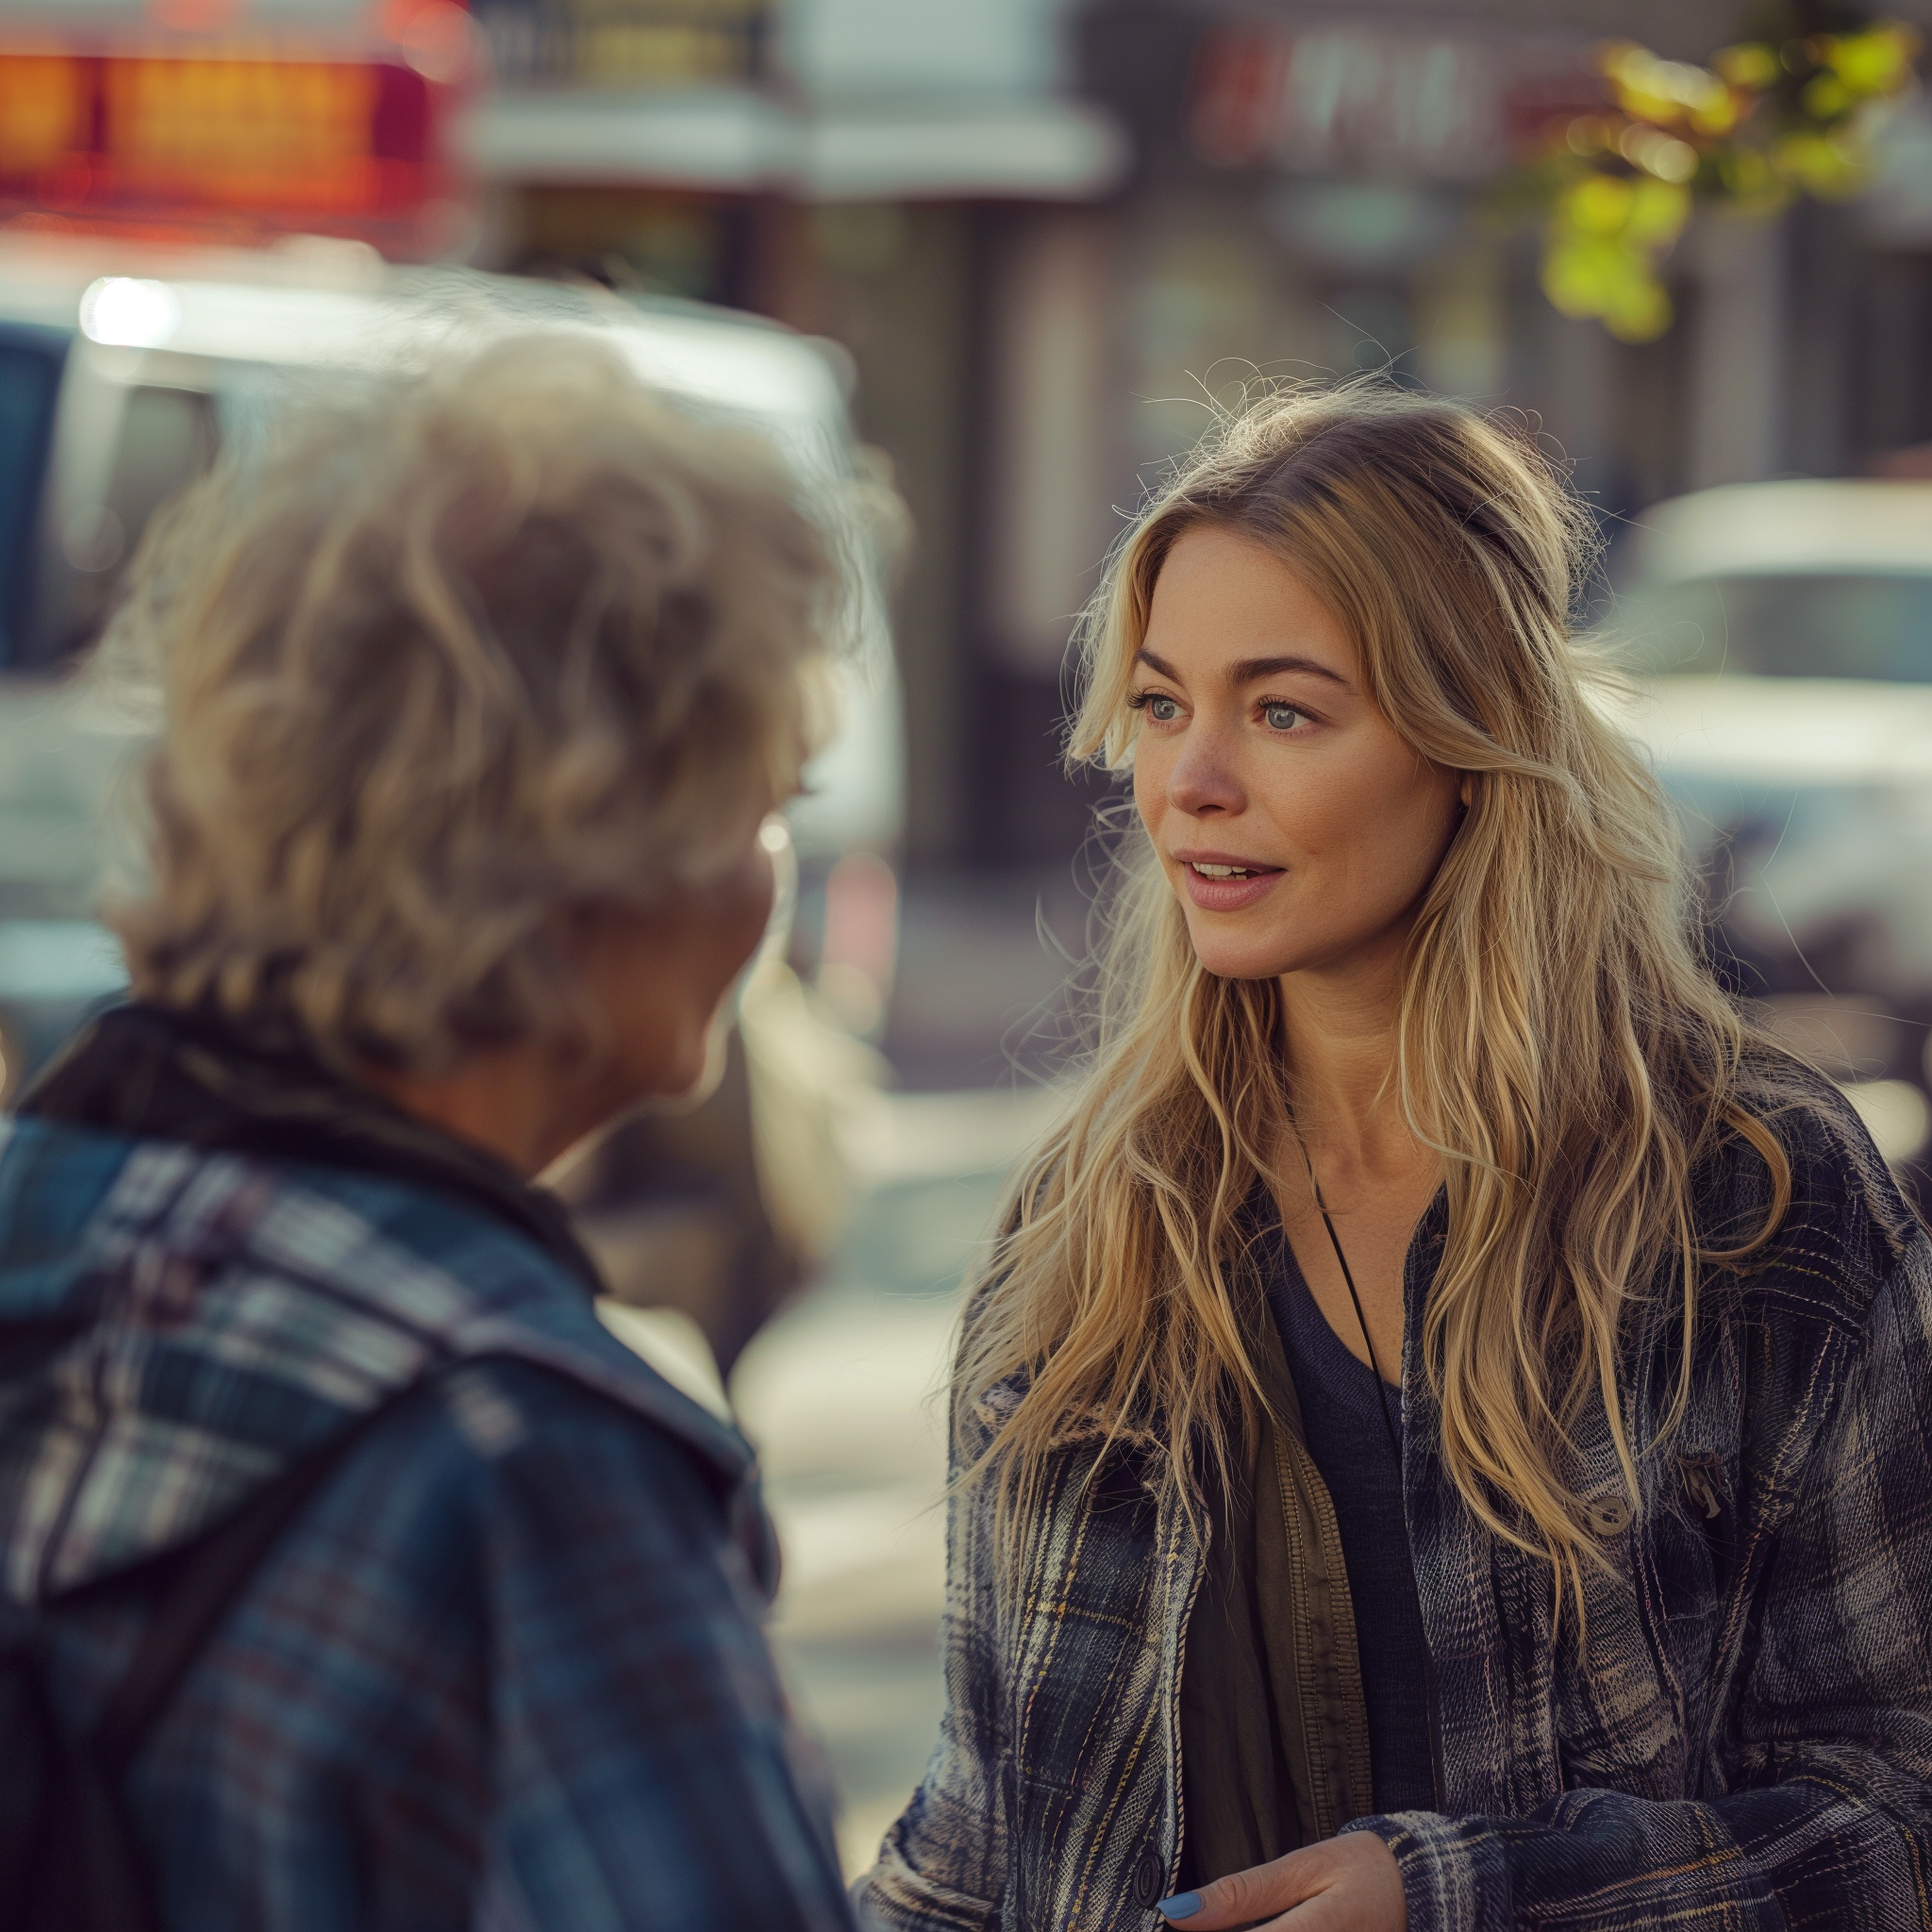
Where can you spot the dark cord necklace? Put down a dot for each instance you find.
(1361, 1320)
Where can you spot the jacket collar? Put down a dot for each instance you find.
(157, 1073)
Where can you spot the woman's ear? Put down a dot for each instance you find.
(1466, 790)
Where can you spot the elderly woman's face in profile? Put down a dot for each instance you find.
(656, 978)
(660, 975)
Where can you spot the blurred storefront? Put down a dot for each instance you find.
(1050, 234)
(1317, 191)
(836, 164)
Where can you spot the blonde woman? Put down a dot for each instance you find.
(1444, 1440)
(383, 1590)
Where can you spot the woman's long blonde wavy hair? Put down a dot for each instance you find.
(1561, 1042)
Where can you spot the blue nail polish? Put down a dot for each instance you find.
(1183, 1905)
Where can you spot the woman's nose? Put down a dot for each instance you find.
(1201, 784)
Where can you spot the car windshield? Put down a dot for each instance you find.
(1785, 627)
(29, 377)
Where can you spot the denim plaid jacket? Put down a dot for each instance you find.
(504, 1671)
(1745, 1743)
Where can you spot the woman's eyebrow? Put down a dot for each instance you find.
(1250, 669)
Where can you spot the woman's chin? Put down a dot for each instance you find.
(1234, 955)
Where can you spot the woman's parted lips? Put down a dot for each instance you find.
(1188, 856)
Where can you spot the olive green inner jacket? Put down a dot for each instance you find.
(1275, 1730)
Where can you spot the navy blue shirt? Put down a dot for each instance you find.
(1347, 1435)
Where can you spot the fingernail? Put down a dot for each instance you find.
(1183, 1905)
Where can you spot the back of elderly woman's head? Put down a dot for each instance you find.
(445, 664)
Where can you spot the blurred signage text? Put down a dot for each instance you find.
(245, 135)
(1359, 99)
(626, 42)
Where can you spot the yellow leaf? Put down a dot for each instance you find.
(1875, 63)
(1659, 211)
(1641, 313)
(1750, 65)
(1658, 153)
(1598, 205)
(1825, 96)
(1581, 276)
(1718, 115)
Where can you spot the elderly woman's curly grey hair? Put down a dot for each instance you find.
(444, 660)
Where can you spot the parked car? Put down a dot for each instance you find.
(1783, 634)
(123, 371)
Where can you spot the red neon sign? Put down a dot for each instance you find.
(243, 138)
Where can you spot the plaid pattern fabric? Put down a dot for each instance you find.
(1744, 1741)
(504, 1671)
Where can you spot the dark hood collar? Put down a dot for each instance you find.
(159, 1073)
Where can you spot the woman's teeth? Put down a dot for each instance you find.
(1222, 872)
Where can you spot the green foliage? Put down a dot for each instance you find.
(1771, 118)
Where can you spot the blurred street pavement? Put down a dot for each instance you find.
(844, 1394)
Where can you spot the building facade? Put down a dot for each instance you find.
(1317, 190)
(1052, 238)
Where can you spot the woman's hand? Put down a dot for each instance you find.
(1347, 1884)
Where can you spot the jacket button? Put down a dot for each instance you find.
(1609, 1516)
(1149, 1877)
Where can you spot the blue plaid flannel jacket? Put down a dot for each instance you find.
(505, 1670)
(1746, 1741)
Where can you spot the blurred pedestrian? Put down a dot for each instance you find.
(1445, 1439)
(476, 690)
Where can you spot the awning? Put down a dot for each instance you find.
(737, 139)
(1048, 149)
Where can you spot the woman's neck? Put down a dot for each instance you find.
(1339, 1030)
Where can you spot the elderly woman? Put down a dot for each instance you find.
(477, 693)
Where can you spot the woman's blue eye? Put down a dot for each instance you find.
(1281, 717)
(1163, 710)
